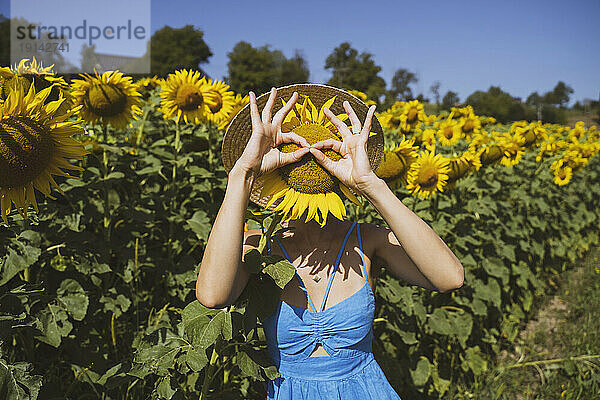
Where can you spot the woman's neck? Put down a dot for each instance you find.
(311, 233)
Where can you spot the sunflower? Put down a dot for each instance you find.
(460, 166)
(220, 101)
(27, 73)
(305, 185)
(396, 163)
(428, 174)
(576, 134)
(35, 142)
(412, 116)
(513, 151)
(470, 125)
(147, 84)
(449, 132)
(489, 154)
(390, 118)
(184, 94)
(563, 175)
(426, 138)
(529, 134)
(109, 98)
(239, 102)
(361, 95)
(391, 168)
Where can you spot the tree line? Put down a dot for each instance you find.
(260, 68)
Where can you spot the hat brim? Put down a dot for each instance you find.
(240, 129)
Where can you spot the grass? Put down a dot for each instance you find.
(557, 356)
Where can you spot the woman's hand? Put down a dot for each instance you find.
(354, 169)
(261, 154)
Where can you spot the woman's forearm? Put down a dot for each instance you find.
(221, 277)
(425, 248)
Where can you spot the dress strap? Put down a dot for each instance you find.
(337, 263)
(262, 229)
(362, 254)
(298, 276)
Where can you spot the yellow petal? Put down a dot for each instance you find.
(327, 104)
(349, 195)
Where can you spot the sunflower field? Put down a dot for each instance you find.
(108, 187)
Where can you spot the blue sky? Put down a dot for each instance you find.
(521, 46)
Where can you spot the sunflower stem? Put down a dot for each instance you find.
(106, 201)
(138, 138)
(177, 147)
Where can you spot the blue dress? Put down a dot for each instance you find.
(345, 330)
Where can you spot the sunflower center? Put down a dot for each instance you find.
(216, 102)
(106, 100)
(468, 126)
(307, 175)
(391, 166)
(188, 97)
(428, 177)
(12, 84)
(26, 148)
(448, 132)
(412, 115)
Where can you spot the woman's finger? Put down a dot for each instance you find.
(293, 137)
(266, 113)
(254, 115)
(283, 111)
(341, 127)
(333, 144)
(364, 134)
(322, 159)
(294, 156)
(353, 117)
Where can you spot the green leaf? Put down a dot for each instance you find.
(17, 383)
(54, 325)
(200, 224)
(164, 389)
(247, 365)
(421, 373)
(475, 361)
(73, 297)
(196, 358)
(496, 267)
(117, 305)
(439, 323)
(282, 271)
(202, 330)
(109, 373)
(22, 253)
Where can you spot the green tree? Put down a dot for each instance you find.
(293, 70)
(401, 82)
(449, 100)
(177, 48)
(435, 91)
(561, 93)
(351, 70)
(259, 68)
(534, 99)
(498, 104)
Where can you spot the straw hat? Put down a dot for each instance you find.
(239, 131)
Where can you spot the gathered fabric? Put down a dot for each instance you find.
(345, 330)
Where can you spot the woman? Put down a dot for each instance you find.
(322, 352)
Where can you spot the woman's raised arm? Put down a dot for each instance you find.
(410, 248)
(222, 276)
